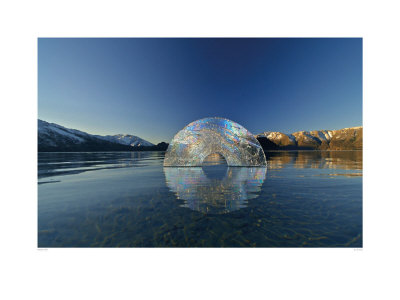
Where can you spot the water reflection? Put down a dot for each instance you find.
(346, 160)
(115, 199)
(215, 189)
(67, 163)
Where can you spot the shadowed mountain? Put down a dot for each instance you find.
(55, 138)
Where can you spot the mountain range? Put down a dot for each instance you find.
(56, 138)
(342, 139)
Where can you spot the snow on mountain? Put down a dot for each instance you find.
(50, 131)
(346, 138)
(273, 135)
(126, 139)
(54, 135)
(292, 138)
(279, 138)
(323, 135)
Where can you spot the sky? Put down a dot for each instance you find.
(152, 88)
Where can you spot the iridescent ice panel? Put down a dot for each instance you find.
(201, 138)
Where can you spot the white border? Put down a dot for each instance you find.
(198, 273)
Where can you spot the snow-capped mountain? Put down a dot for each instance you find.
(125, 139)
(342, 139)
(54, 137)
(50, 133)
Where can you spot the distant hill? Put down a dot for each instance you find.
(342, 139)
(54, 137)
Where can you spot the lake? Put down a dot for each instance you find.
(128, 199)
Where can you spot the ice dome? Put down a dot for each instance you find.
(201, 138)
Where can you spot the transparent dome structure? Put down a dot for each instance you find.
(204, 137)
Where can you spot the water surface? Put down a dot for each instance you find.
(128, 199)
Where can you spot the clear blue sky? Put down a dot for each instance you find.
(152, 88)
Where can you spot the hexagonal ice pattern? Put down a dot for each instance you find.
(201, 138)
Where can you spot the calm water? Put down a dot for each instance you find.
(127, 199)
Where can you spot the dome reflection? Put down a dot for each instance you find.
(210, 194)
